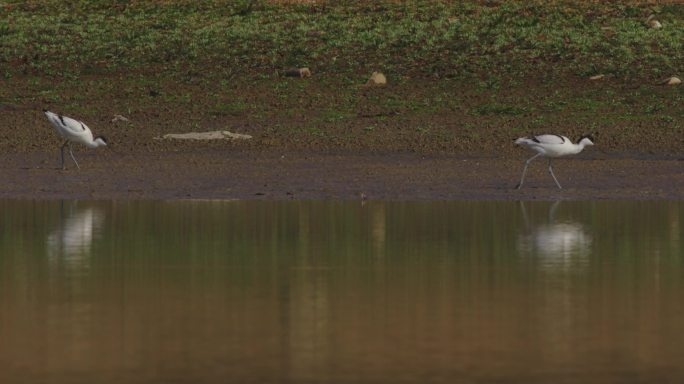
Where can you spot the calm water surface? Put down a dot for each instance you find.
(302, 292)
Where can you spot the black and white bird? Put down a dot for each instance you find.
(551, 146)
(75, 131)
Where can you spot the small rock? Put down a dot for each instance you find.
(119, 118)
(653, 23)
(674, 80)
(377, 78)
(297, 72)
(597, 77)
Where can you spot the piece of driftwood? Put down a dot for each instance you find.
(211, 135)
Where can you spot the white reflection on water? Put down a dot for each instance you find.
(68, 321)
(72, 240)
(559, 244)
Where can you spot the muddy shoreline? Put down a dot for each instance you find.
(275, 175)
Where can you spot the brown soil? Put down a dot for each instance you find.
(459, 156)
(249, 174)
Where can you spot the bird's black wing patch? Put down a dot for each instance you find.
(534, 138)
(562, 139)
(61, 118)
(82, 126)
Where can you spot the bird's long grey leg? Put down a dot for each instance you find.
(522, 178)
(61, 151)
(554, 176)
(72, 156)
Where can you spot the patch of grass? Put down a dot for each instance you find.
(424, 129)
(494, 108)
(538, 121)
(666, 119)
(490, 83)
(50, 96)
(654, 108)
(80, 109)
(555, 105)
(310, 130)
(235, 108)
(586, 104)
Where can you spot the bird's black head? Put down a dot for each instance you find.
(586, 136)
(102, 138)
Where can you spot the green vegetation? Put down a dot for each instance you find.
(462, 75)
(498, 109)
(95, 37)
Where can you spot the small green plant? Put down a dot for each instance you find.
(666, 119)
(311, 130)
(654, 108)
(235, 108)
(333, 115)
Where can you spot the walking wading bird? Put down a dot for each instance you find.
(76, 131)
(551, 146)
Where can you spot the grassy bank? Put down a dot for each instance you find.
(424, 37)
(463, 76)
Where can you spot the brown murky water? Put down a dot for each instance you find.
(300, 292)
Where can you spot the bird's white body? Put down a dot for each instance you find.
(551, 146)
(74, 131)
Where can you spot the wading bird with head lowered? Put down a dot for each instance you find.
(551, 146)
(75, 131)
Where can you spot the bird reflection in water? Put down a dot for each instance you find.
(557, 243)
(71, 242)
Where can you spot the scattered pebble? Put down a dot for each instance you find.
(653, 23)
(377, 78)
(119, 118)
(674, 80)
(597, 77)
(297, 72)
